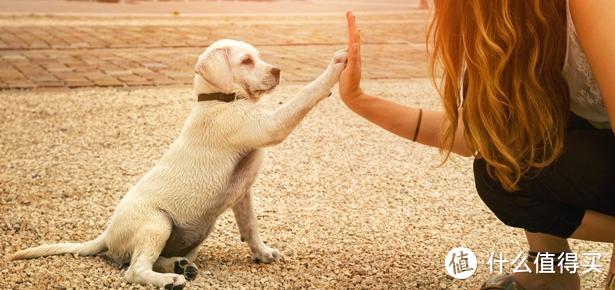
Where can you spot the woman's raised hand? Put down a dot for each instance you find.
(350, 80)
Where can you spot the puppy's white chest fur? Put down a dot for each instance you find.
(201, 175)
(195, 227)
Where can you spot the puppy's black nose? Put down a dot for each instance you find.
(275, 72)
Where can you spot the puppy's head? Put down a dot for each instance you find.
(231, 66)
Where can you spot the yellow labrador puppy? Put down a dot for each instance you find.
(159, 224)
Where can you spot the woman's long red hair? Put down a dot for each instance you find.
(511, 53)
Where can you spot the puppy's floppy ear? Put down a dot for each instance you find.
(215, 68)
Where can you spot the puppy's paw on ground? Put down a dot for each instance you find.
(177, 282)
(267, 255)
(174, 287)
(184, 267)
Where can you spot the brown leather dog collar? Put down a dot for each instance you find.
(216, 97)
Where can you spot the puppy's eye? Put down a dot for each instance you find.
(247, 61)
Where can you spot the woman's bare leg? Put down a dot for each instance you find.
(599, 228)
(552, 244)
(595, 227)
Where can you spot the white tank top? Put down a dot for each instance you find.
(585, 98)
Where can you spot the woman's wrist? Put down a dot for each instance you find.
(354, 99)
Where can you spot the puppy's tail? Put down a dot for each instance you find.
(88, 248)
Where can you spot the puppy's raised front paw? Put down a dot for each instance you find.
(267, 255)
(339, 61)
(321, 87)
(340, 56)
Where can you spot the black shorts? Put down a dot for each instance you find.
(554, 202)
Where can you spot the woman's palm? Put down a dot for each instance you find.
(350, 80)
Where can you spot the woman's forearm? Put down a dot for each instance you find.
(393, 117)
(398, 119)
(403, 120)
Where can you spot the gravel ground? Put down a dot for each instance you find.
(349, 205)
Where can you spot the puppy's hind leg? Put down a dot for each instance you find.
(149, 242)
(246, 221)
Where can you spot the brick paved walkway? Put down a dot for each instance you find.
(146, 52)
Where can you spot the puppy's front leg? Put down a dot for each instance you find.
(259, 129)
(321, 87)
(291, 113)
(246, 221)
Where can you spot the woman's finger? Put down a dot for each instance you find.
(352, 28)
(353, 66)
(355, 54)
(350, 24)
